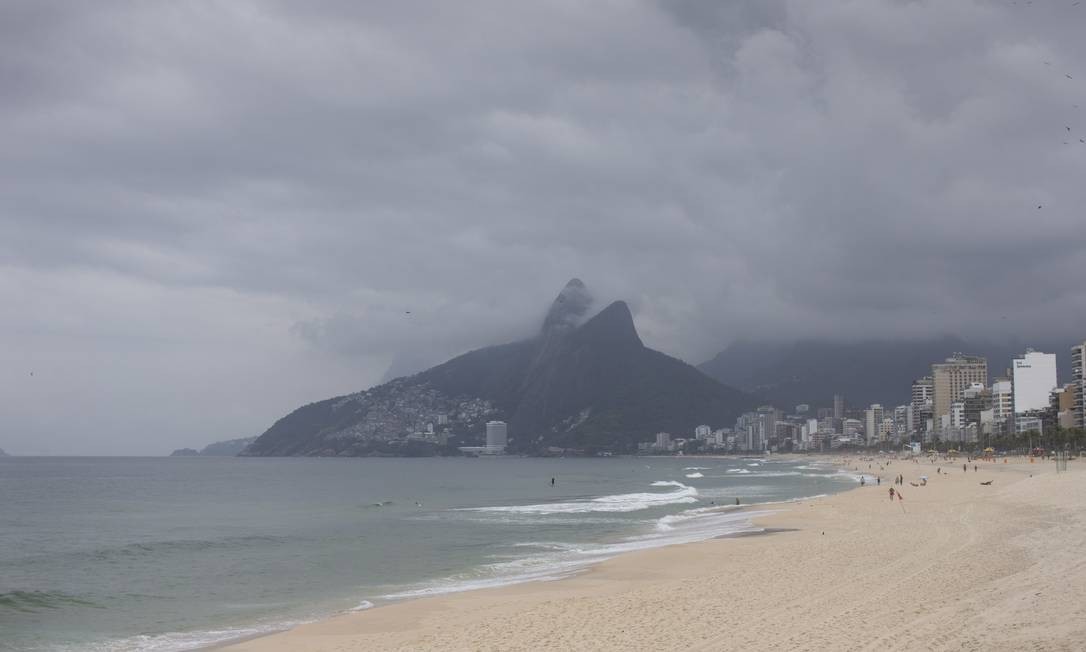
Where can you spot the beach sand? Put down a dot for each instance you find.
(961, 567)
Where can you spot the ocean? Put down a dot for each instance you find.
(164, 554)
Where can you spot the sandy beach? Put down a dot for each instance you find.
(955, 565)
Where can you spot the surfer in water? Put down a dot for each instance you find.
(552, 482)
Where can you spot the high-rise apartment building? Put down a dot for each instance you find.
(886, 429)
(1002, 400)
(921, 404)
(1063, 405)
(975, 400)
(767, 425)
(873, 423)
(852, 428)
(496, 436)
(1034, 376)
(952, 377)
(1078, 377)
(838, 406)
(903, 421)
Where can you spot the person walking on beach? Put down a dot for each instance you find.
(878, 480)
(891, 494)
(862, 481)
(965, 468)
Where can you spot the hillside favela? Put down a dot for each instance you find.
(642, 325)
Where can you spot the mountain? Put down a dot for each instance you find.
(873, 371)
(583, 384)
(3, 454)
(227, 448)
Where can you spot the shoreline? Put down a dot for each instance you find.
(750, 529)
(916, 571)
(756, 509)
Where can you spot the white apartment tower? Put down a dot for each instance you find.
(1002, 400)
(921, 405)
(1078, 377)
(873, 423)
(1034, 376)
(496, 436)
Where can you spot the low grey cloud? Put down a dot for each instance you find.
(212, 212)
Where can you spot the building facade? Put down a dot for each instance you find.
(496, 436)
(1078, 377)
(873, 424)
(1034, 378)
(952, 377)
(922, 406)
(1002, 400)
(1063, 405)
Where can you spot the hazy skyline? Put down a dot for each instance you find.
(211, 213)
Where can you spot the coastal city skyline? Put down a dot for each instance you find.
(954, 406)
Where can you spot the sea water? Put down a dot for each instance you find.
(178, 553)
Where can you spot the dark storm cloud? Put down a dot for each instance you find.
(236, 205)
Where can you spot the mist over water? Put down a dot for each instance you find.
(175, 553)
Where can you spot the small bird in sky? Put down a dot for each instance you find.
(1038, 207)
(1068, 76)
(1067, 128)
(407, 312)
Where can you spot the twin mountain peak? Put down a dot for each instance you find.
(582, 384)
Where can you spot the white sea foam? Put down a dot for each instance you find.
(754, 464)
(364, 605)
(179, 641)
(695, 468)
(739, 471)
(615, 503)
(562, 560)
(695, 474)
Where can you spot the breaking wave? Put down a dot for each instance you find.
(615, 503)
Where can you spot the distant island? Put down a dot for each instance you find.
(227, 448)
(585, 384)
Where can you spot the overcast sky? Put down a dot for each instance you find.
(213, 212)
